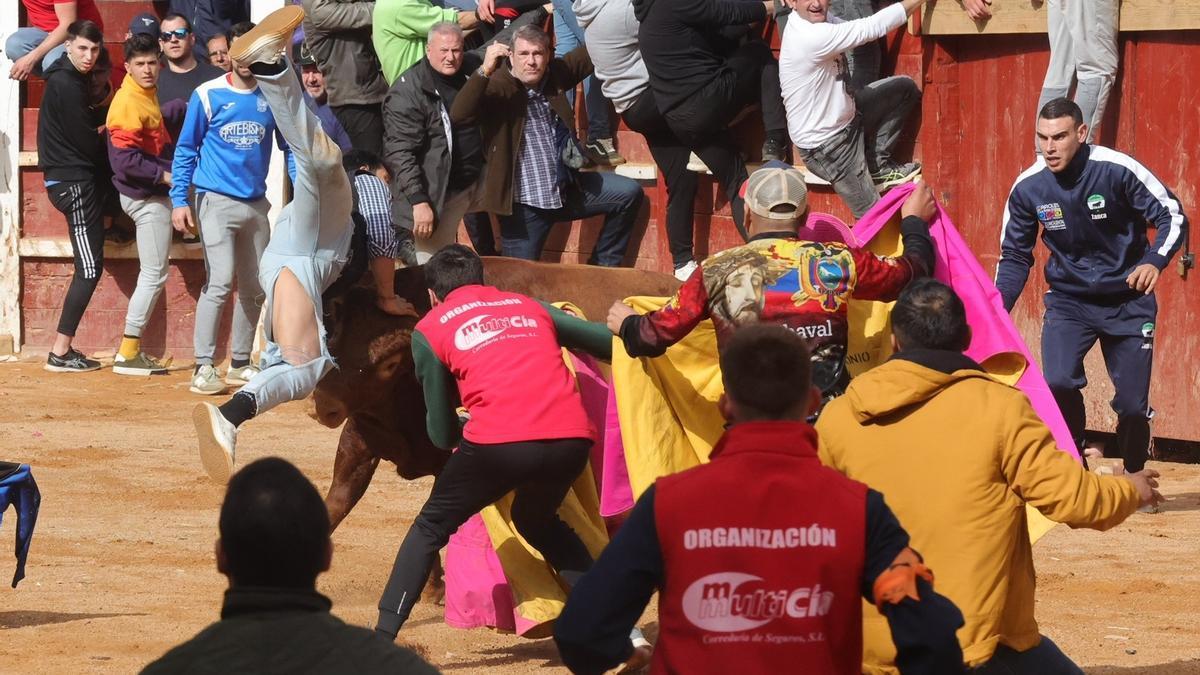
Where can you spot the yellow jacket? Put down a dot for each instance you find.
(958, 455)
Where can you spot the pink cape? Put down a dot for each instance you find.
(477, 591)
(992, 329)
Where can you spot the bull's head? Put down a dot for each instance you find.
(373, 350)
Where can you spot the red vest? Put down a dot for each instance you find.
(503, 351)
(763, 554)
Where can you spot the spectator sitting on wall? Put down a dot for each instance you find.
(34, 48)
(536, 183)
(273, 543)
(218, 52)
(845, 136)
(183, 72)
(699, 82)
(611, 28)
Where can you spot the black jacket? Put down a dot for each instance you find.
(69, 145)
(1093, 219)
(682, 42)
(415, 146)
(280, 630)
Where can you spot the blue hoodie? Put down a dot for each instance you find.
(1093, 219)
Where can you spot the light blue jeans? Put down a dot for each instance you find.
(25, 40)
(311, 237)
(567, 36)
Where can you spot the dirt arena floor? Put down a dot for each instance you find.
(122, 566)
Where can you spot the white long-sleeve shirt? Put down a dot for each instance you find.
(813, 74)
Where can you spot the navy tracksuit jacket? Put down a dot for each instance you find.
(1093, 219)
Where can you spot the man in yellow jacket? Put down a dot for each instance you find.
(958, 455)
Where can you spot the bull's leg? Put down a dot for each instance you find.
(435, 589)
(353, 467)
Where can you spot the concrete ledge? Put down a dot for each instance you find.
(60, 247)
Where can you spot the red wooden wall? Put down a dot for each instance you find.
(974, 136)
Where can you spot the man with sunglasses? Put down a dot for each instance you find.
(183, 71)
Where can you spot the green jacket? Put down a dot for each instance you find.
(399, 32)
(285, 630)
(441, 391)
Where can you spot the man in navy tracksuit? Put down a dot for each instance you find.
(1092, 204)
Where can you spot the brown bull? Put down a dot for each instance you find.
(375, 391)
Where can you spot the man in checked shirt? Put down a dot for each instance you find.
(372, 200)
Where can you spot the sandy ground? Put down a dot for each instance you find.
(122, 563)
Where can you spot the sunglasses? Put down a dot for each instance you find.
(178, 34)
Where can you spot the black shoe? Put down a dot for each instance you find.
(71, 362)
(775, 150)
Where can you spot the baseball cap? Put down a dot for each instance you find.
(302, 55)
(144, 24)
(776, 191)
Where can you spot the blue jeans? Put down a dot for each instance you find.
(25, 40)
(567, 36)
(1044, 659)
(523, 234)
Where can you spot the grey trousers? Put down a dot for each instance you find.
(865, 146)
(234, 234)
(311, 239)
(1083, 48)
(863, 60)
(152, 218)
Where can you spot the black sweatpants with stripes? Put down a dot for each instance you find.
(82, 203)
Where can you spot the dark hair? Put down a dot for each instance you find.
(171, 16)
(452, 267)
(88, 30)
(140, 44)
(237, 30)
(767, 371)
(930, 315)
(274, 526)
(1062, 107)
(531, 33)
(354, 159)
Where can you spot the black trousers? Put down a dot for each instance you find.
(540, 472)
(363, 124)
(752, 76)
(82, 203)
(1125, 331)
(671, 155)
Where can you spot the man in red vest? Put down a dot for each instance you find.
(761, 555)
(497, 354)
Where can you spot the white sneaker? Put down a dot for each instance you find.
(241, 376)
(269, 38)
(696, 164)
(684, 273)
(218, 438)
(207, 382)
